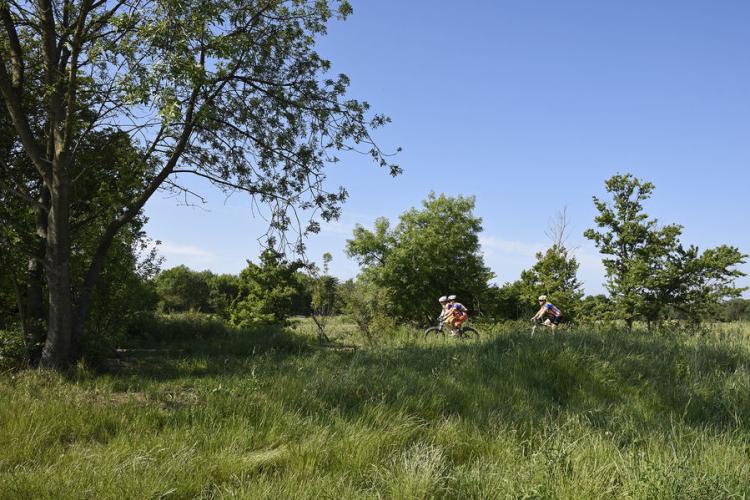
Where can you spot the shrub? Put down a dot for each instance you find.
(368, 305)
(12, 351)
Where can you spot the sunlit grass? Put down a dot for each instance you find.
(277, 415)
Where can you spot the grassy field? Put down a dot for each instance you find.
(273, 415)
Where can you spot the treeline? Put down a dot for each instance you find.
(433, 250)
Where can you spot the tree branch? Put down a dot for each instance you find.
(16, 54)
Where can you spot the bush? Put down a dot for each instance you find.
(12, 351)
(267, 292)
(367, 305)
(146, 328)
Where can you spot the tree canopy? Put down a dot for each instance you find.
(648, 268)
(231, 91)
(432, 251)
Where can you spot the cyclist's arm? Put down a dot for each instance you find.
(540, 313)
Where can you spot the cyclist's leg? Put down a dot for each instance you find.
(554, 323)
(460, 320)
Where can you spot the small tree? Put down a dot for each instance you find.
(223, 289)
(635, 246)
(554, 275)
(367, 305)
(506, 302)
(555, 272)
(707, 280)
(595, 308)
(267, 292)
(323, 296)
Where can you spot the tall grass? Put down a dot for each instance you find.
(244, 415)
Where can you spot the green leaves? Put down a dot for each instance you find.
(432, 251)
(649, 273)
(554, 275)
(267, 292)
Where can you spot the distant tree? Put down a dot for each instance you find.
(700, 282)
(223, 289)
(506, 302)
(324, 295)
(182, 289)
(267, 291)
(554, 274)
(648, 269)
(431, 252)
(734, 310)
(596, 308)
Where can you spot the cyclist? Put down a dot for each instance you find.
(445, 305)
(554, 315)
(458, 313)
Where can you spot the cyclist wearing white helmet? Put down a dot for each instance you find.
(548, 308)
(457, 315)
(445, 308)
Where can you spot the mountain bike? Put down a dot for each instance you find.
(541, 322)
(462, 333)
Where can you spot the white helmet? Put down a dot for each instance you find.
(542, 298)
(451, 297)
(443, 299)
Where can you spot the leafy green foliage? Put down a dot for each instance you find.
(648, 269)
(554, 274)
(181, 289)
(324, 293)
(506, 302)
(431, 252)
(369, 306)
(596, 308)
(734, 310)
(126, 289)
(12, 349)
(223, 289)
(267, 292)
(139, 96)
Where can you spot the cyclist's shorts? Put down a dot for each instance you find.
(556, 320)
(460, 318)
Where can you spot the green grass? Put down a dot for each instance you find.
(274, 415)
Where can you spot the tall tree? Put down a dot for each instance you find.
(648, 269)
(431, 252)
(231, 91)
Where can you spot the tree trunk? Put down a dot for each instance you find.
(34, 320)
(85, 297)
(56, 352)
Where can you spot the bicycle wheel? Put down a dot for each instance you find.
(434, 331)
(469, 333)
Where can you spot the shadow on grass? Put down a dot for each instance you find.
(625, 384)
(224, 354)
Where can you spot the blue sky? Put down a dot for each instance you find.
(529, 106)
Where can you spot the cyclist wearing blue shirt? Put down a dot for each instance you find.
(554, 315)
